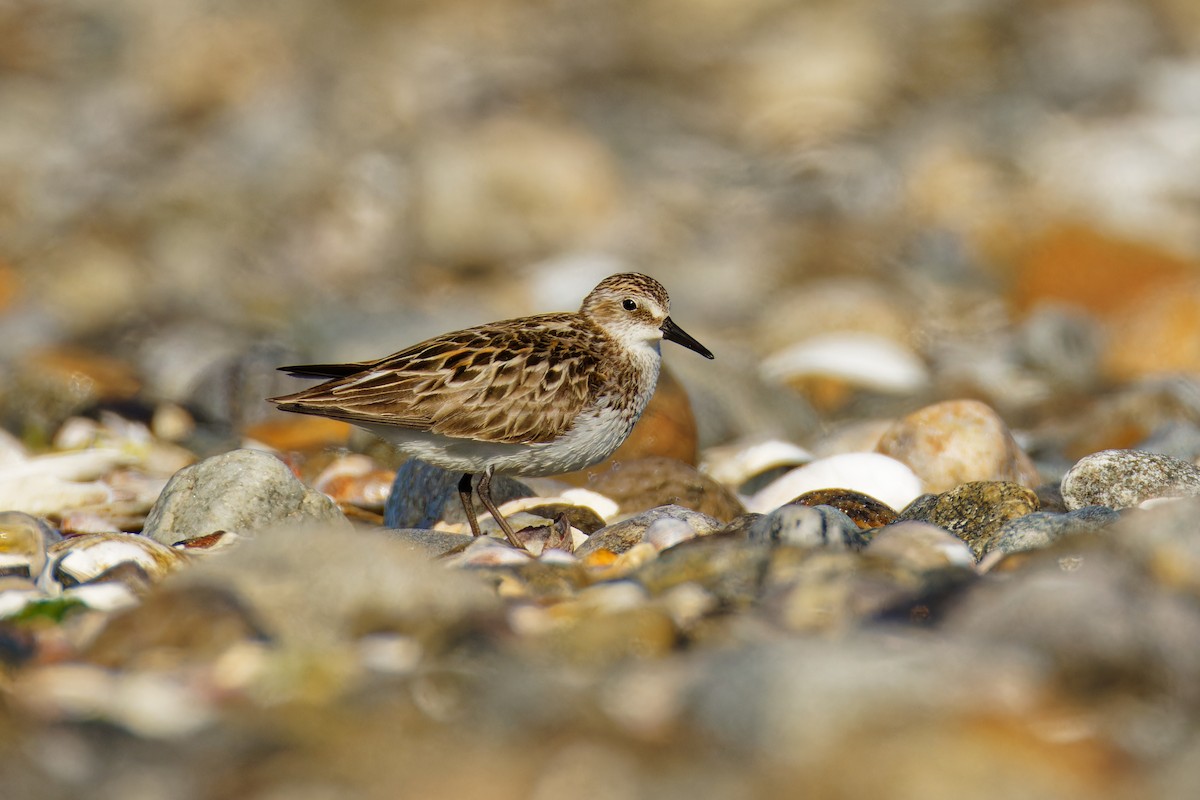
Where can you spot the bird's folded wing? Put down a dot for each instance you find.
(495, 384)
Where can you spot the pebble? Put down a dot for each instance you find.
(1096, 622)
(652, 482)
(1041, 529)
(729, 570)
(827, 590)
(800, 525)
(1126, 478)
(621, 536)
(174, 626)
(1162, 539)
(429, 542)
(921, 547)
(23, 543)
(457, 144)
(242, 491)
(350, 583)
(95, 557)
(872, 474)
(866, 511)
(422, 495)
(975, 512)
(956, 442)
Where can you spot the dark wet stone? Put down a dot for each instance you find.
(1042, 528)
(242, 491)
(864, 510)
(423, 494)
(1125, 478)
(651, 482)
(975, 512)
(621, 536)
(729, 569)
(808, 526)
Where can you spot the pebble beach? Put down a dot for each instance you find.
(928, 526)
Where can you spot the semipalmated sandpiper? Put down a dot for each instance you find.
(532, 396)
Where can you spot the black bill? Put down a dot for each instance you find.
(674, 333)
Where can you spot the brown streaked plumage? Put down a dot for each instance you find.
(531, 396)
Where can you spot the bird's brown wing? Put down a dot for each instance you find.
(517, 384)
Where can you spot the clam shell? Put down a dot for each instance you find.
(874, 474)
(861, 359)
(735, 464)
(23, 543)
(82, 558)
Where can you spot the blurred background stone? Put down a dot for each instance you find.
(865, 209)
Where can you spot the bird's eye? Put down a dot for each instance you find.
(629, 305)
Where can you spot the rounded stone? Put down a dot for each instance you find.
(622, 536)
(651, 482)
(728, 569)
(1043, 528)
(956, 442)
(975, 512)
(808, 526)
(921, 547)
(240, 491)
(423, 495)
(866, 511)
(1126, 478)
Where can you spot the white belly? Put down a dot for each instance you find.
(590, 441)
(594, 436)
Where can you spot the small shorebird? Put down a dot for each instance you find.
(532, 396)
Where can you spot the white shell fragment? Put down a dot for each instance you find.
(82, 558)
(879, 476)
(735, 464)
(862, 359)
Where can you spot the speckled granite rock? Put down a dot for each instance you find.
(975, 512)
(1124, 478)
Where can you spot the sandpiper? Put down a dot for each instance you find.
(531, 396)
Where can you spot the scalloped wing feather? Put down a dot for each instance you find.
(514, 384)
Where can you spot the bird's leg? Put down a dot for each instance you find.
(485, 494)
(464, 494)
